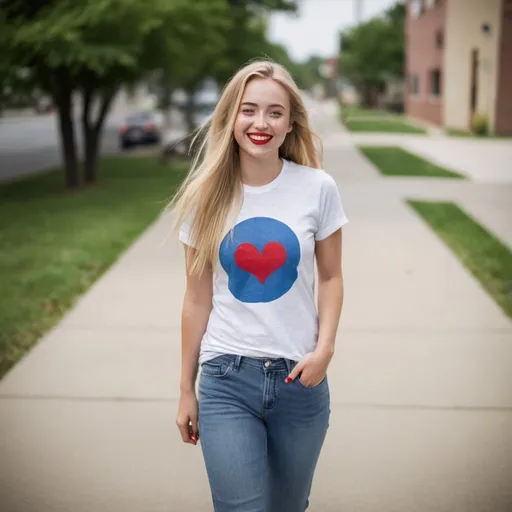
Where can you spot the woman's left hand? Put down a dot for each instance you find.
(313, 367)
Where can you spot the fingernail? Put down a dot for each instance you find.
(288, 379)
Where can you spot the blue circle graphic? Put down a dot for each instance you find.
(260, 257)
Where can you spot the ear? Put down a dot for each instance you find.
(290, 127)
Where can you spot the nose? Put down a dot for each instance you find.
(261, 122)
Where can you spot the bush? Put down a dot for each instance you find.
(480, 124)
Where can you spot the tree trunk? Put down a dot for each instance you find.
(63, 99)
(92, 131)
(166, 104)
(370, 95)
(91, 151)
(189, 111)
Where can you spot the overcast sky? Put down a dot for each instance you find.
(316, 29)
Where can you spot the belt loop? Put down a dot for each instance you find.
(289, 365)
(238, 362)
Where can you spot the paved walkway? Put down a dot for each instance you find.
(421, 402)
(482, 160)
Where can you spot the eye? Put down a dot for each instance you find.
(248, 111)
(277, 113)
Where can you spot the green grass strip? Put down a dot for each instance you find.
(395, 161)
(56, 242)
(382, 126)
(488, 259)
(348, 111)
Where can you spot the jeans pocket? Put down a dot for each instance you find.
(216, 368)
(318, 386)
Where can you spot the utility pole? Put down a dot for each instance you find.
(358, 11)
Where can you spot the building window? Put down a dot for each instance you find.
(435, 83)
(416, 7)
(439, 39)
(414, 85)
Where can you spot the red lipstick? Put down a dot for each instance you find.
(259, 138)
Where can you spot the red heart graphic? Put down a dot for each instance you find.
(248, 258)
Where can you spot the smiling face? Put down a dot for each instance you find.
(263, 118)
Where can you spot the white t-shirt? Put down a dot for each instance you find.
(263, 288)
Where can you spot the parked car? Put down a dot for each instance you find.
(144, 127)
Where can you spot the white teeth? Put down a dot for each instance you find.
(260, 137)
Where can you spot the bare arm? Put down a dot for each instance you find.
(197, 306)
(330, 290)
(330, 299)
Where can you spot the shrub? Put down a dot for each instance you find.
(480, 124)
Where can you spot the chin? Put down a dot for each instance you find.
(260, 151)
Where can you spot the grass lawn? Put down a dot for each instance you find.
(384, 125)
(358, 119)
(356, 111)
(56, 243)
(486, 257)
(455, 132)
(395, 161)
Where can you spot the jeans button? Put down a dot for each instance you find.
(267, 364)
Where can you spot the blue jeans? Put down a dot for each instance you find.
(260, 437)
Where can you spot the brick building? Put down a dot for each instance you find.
(459, 62)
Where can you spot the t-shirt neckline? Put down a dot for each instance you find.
(269, 186)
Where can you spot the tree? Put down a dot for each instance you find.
(373, 52)
(245, 39)
(92, 48)
(247, 35)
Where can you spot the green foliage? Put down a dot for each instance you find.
(274, 5)
(93, 47)
(480, 124)
(373, 51)
(112, 40)
(104, 43)
(247, 36)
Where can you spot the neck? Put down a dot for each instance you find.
(257, 172)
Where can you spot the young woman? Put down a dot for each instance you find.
(255, 213)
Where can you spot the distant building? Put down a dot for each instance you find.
(459, 62)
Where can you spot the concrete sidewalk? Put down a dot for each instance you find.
(481, 160)
(421, 383)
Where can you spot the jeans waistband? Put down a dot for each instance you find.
(264, 364)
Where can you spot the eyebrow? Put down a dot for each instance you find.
(255, 104)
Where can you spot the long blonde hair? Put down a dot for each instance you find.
(211, 194)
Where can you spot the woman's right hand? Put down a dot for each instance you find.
(187, 417)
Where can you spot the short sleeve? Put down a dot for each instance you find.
(185, 230)
(331, 213)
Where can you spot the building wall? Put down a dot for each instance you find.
(422, 56)
(503, 124)
(464, 20)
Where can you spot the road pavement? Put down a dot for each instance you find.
(30, 145)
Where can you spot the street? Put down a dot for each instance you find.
(31, 144)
